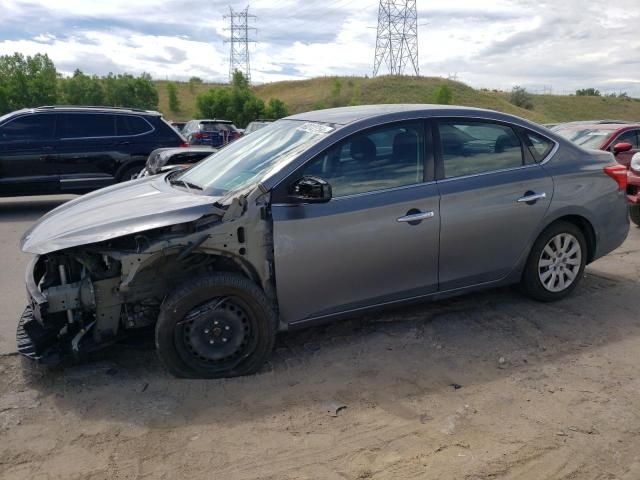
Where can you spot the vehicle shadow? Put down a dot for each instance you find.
(447, 346)
(28, 209)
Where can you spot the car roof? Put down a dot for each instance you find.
(599, 126)
(346, 115)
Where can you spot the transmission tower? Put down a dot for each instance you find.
(397, 37)
(239, 40)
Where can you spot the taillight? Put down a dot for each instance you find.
(184, 145)
(619, 174)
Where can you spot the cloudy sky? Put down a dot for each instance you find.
(541, 44)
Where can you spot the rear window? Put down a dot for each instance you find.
(31, 127)
(592, 138)
(86, 125)
(216, 126)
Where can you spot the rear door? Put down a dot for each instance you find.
(27, 161)
(375, 242)
(88, 151)
(494, 194)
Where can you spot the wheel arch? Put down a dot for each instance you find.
(587, 230)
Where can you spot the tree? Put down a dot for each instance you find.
(275, 109)
(193, 81)
(237, 103)
(588, 92)
(125, 90)
(521, 98)
(336, 88)
(443, 95)
(174, 102)
(82, 89)
(27, 81)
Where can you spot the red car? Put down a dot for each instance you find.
(621, 139)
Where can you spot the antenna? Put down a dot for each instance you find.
(239, 40)
(397, 37)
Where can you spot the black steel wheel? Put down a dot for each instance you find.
(219, 325)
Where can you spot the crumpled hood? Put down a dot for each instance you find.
(115, 211)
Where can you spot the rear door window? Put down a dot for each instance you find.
(37, 127)
(473, 147)
(86, 125)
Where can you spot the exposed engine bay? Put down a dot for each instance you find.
(87, 297)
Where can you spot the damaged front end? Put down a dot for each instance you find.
(87, 297)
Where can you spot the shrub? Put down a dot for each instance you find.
(521, 98)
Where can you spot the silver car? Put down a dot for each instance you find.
(314, 217)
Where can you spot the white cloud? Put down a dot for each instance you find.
(495, 43)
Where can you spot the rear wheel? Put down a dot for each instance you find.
(556, 263)
(634, 214)
(219, 325)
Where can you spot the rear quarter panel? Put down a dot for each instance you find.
(582, 188)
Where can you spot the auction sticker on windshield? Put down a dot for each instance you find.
(312, 127)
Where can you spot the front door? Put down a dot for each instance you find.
(494, 195)
(27, 156)
(632, 137)
(375, 242)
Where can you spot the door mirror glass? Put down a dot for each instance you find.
(310, 190)
(622, 147)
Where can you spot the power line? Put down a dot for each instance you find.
(397, 37)
(239, 40)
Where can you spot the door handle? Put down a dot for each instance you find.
(531, 197)
(416, 217)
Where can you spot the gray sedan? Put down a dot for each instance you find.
(315, 217)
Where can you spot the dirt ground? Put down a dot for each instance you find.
(487, 386)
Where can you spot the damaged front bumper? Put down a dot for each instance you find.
(49, 316)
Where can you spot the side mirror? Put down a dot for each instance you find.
(621, 147)
(310, 190)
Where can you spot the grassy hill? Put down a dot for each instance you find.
(303, 95)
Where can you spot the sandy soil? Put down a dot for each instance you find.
(485, 386)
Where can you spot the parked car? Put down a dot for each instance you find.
(165, 159)
(50, 150)
(633, 189)
(620, 138)
(315, 217)
(256, 125)
(215, 133)
(178, 126)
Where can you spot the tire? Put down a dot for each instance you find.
(215, 326)
(551, 273)
(634, 214)
(129, 172)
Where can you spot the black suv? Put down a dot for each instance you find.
(59, 149)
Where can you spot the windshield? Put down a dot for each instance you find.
(585, 137)
(252, 157)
